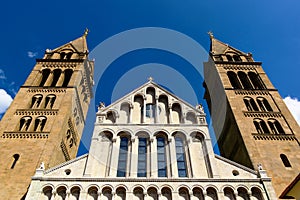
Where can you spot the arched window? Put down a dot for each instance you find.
(256, 192)
(25, 123)
(40, 123)
(121, 193)
(75, 193)
(152, 193)
(123, 157)
(237, 58)
(138, 193)
(250, 104)
(245, 80)
(256, 82)
(50, 99)
(56, 75)
(161, 157)
(180, 155)
(184, 193)
(229, 58)
(261, 126)
(107, 193)
(142, 157)
(16, 158)
(229, 193)
(235, 83)
(264, 104)
(285, 160)
(166, 193)
(92, 193)
(212, 193)
(242, 192)
(45, 75)
(197, 192)
(176, 113)
(69, 55)
(61, 192)
(47, 192)
(275, 126)
(68, 73)
(36, 100)
(62, 55)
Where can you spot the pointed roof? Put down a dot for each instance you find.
(79, 44)
(218, 47)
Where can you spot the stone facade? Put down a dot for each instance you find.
(251, 121)
(45, 121)
(150, 145)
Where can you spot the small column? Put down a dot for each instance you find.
(130, 113)
(173, 159)
(153, 157)
(175, 195)
(114, 157)
(144, 111)
(156, 120)
(61, 79)
(49, 79)
(134, 156)
(170, 114)
(159, 195)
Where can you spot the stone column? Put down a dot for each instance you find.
(173, 159)
(61, 79)
(49, 79)
(114, 157)
(144, 111)
(156, 120)
(170, 114)
(153, 157)
(134, 156)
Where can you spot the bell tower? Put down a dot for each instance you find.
(251, 121)
(45, 121)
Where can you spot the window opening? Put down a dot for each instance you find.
(142, 157)
(123, 153)
(16, 158)
(181, 163)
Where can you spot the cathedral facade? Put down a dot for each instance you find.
(150, 145)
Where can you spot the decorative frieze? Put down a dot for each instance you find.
(25, 135)
(36, 112)
(262, 114)
(286, 137)
(46, 90)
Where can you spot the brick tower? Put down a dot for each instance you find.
(252, 123)
(45, 121)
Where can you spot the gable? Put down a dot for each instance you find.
(150, 104)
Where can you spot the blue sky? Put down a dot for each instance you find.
(268, 29)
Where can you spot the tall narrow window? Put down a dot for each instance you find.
(245, 80)
(261, 126)
(45, 75)
(263, 104)
(50, 99)
(250, 104)
(275, 126)
(40, 123)
(180, 156)
(36, 100)
(229, 58)
(142, 157)
(161, 157)
(285, 160)
(69, 55)
(237, 58)
(123, 154)
(235, 83)
(56, 75)
(68, 74)
(16, 158)
(25, 123)
(256, 82)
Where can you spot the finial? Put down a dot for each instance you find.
(150, 79)
(211, 35)
(86, 32)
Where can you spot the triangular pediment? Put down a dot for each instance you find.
(78, 45)
(218, 47)
(158, 104)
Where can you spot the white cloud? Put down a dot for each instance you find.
(5, 100)
(32, 54)
(294, 106)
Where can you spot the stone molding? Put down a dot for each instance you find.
(25, 135)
